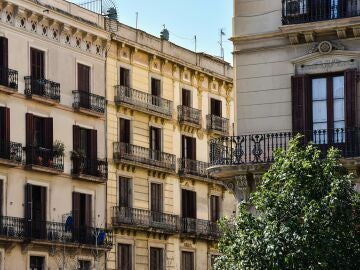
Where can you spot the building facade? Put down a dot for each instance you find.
(296, 71)
(53, 167)
(164, 104)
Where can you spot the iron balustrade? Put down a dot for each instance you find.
(193, 167)
(140, 99)
(127, 216)
(11, 151)
(144, 155)
(92, 167)
(43, 88)
(260, 148)
(217, 123)
(303, 11)
(200, 228)
(189, 115)
(12, 227)
(89, 101)
(40, 156)
(9, 78)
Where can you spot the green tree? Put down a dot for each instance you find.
(307, 217)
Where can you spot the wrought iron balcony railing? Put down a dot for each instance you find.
(23, 229)
(11, 151)
(193, 167)
(217, 123)
(142, 155)
(91, 167)
(200, 228)
(43, 157)
(142, 101)
(89, 101)
(303, 11)
(146, 219)
(42, 88)
(260, 148)
(189, 115)
(9, 78)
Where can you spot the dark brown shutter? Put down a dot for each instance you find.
(37, 64)
(301, 103)
(193, 148)
(43, 203)
(93, 143)
(124, 257)
(88, 212)
(83, 78)
(214, 208)
(124, 192)
(1, 197)
(350, 78)
(193, 204)
(124, 130)
(155, 138)
(76, 138)
(29, 129)
(188, 203)
(187, 260)
(4, 131)
(184, 203)
(28, 201)
(215, 107)
(156, 258)
(76, 208)
(156, 197)
(4, 75)
(48, 127)
(183, 146)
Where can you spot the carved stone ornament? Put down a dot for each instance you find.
(239, 187)
(325, 47)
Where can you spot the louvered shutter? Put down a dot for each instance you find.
(4, 73)
(76, 209)
(93, 151)
(1, 197)
(76, 138)
(193, 148)
(48, 127)
(88, 208)
(350, 78)
(4, 132)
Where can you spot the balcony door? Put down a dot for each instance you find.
(188, 149)
(155, 92)
(124, 77)
(215, 107)
(37, 69)
(155, 143)
(4, 74)
(84, 85)
(35, 211)
(156, 258)
(4, 132)
(186, 97)
(188, 204)
(214, 208)
(187, 260)
(82, 217)
(124, 135)
(156, 199)
(124, 257)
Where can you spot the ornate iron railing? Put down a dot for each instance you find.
(11, 151)
(200, 228)
(260, 148)
(39, 156)
(303, 11)
(87, 166)
(43, 88)
(144, 155)
(192, 167)
(127, 216)
(189, 115)
(9, 78)
(89, 101)
(12, 227)
(217, 123)
(143, 100)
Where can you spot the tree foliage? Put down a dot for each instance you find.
(307, 217)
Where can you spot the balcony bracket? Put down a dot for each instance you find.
(239, 186)
(26, 246)
(309, 36)
(9, 247)
(341, 33)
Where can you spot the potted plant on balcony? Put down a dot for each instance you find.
(77, 155)
(58, 151)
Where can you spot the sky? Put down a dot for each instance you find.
(184, 19)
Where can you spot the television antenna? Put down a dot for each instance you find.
(222, 33)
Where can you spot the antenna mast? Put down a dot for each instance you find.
(222, 33)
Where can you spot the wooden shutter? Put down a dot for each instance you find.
(187, 260)
(76, 138)
(4, 52)
(156, 258)
(184, 203)
(93, 143)
(28, 201)
(37, 64)
(214, 208)
(1, 197)
(29, 129)
(124, 77)
(193, 148)
(124, 257)
(183, 146)
(350, 78)
(156, 197)
(188, 203)
(48, 127)
(155, 138)
(76, 209)
(83, 78)
(193, 204)
(43, 203)
(124, 192)
(301, 103)
(4, 131)
(124, 130)
(88, 208)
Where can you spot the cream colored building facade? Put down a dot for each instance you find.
(52, 203)
(159, 121)
(296, 70)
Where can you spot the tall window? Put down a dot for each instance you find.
(156, 258)
(187, 260)
(188, 147)
(214, 208)
(4, 132)
(215, 107)
(186, 97)
(4, 79)
(155, 143)
(124, 257)
(155, 92)
(125, 192)
(82, 216)
(156, 197)
(188, 203)
(124, 130)
(124, 77)
(37, 68)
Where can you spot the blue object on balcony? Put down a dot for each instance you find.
(101, 238)
(69, 224)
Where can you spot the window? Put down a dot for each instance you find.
(188, 203)
(156, 197)
(82, 216)
(214, 208)
(155, 143)
(37, 68)
(37, 263)
(35, 210)
(124, 132)
(156, 258)
(155, 92)
(4, 79)
(39, 131)
(188, 147)
(1, 200)
(125, 192)
(186, 97)
(84, 265)
(215, 107)
(124, 257)
(187, 260)
(4, 132)
(83, 78)
(124, 77)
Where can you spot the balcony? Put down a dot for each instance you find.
(199, 228)
(88, 103)
(89, 169)
(145, 220)
(189, 116)
(43, 159)
(230, 154)
(42, 90)
(145, 157)
(304, 11)
(193, 169)
(144, 102)
(217, 124)
(45, 232)
(11, 153)
(8, 80)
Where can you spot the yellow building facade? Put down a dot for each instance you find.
(164, 104)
